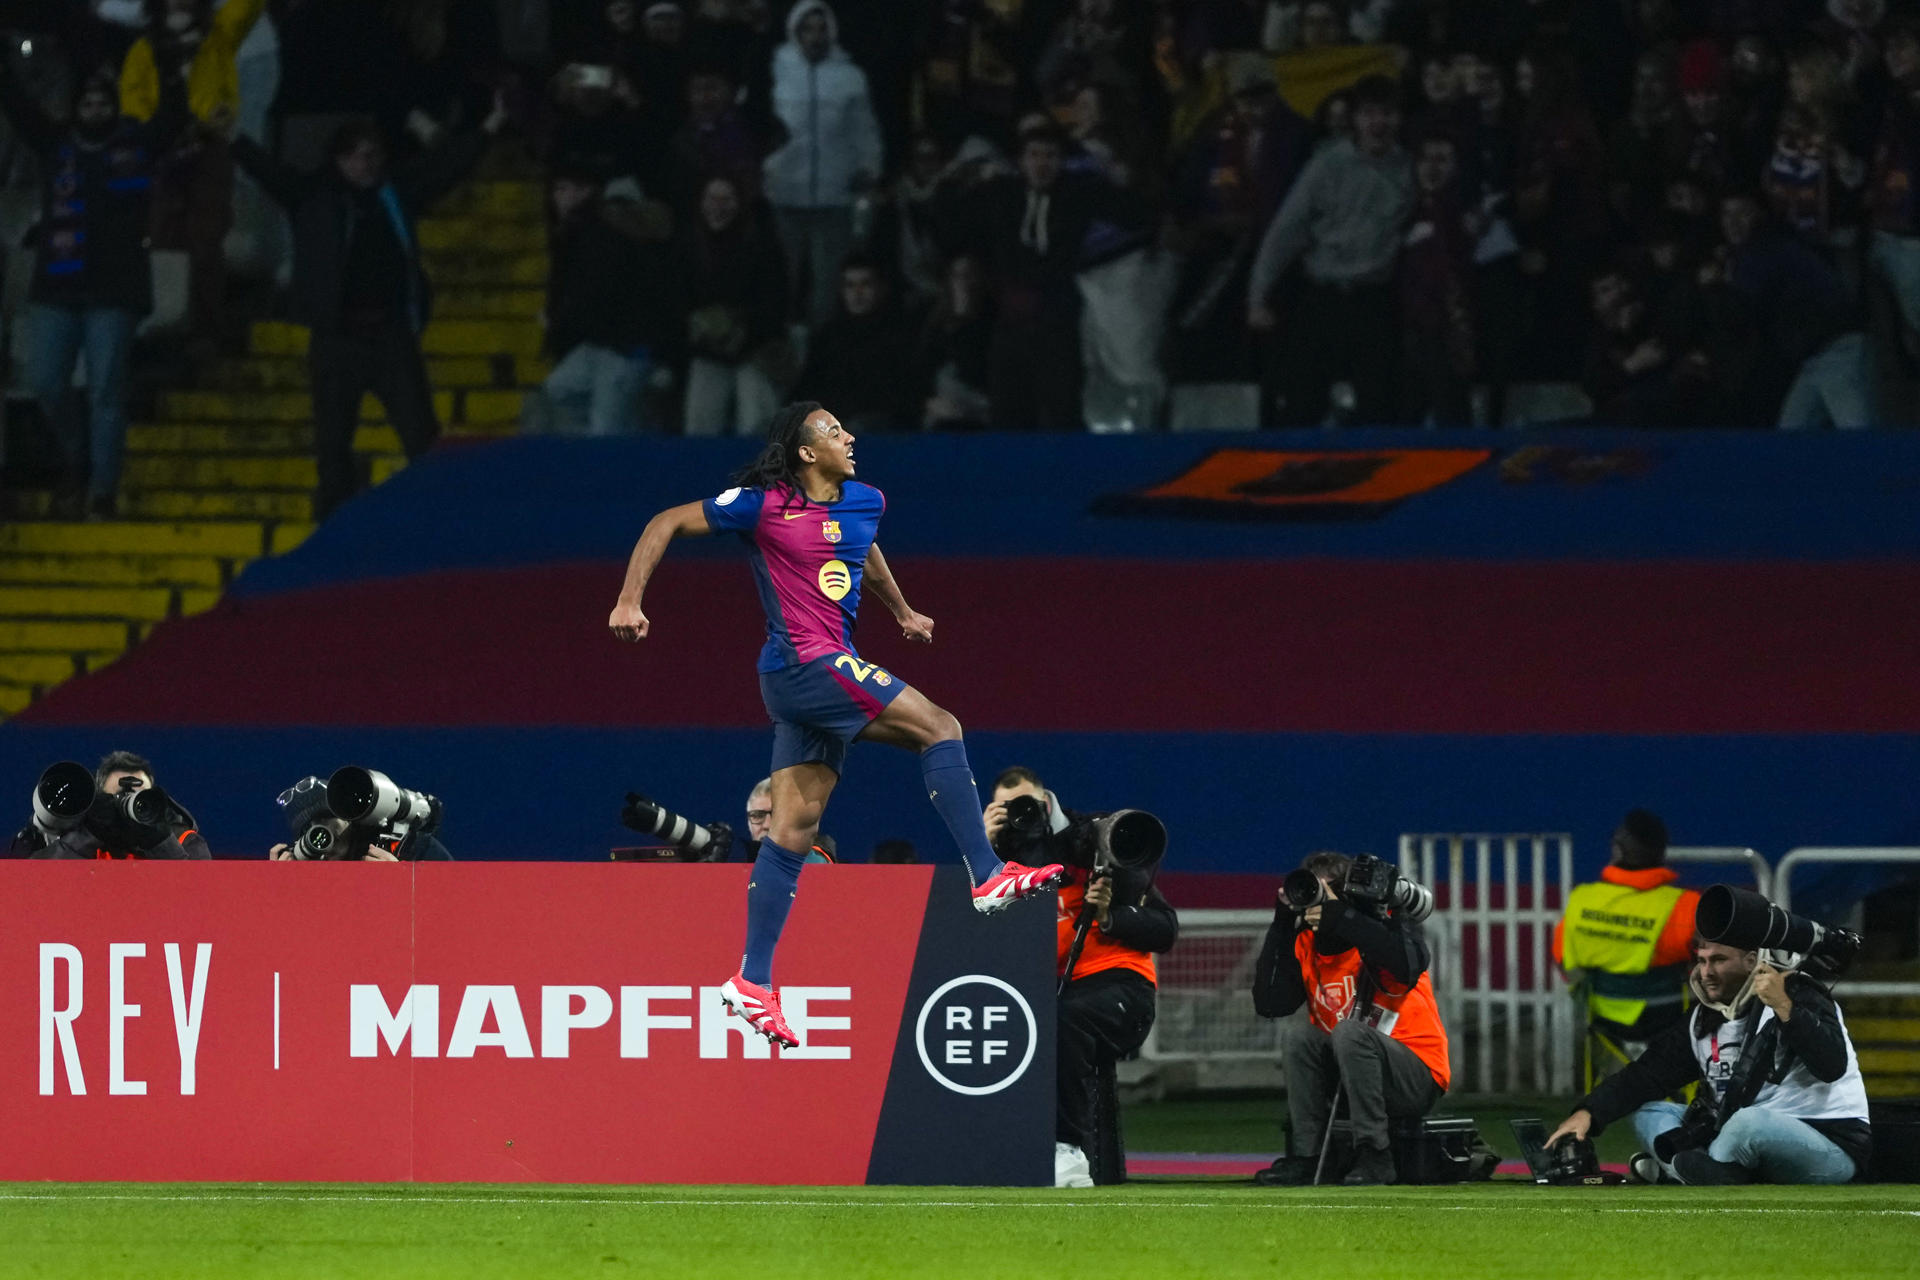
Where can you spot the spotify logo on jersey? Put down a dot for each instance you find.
(835, 579)
(976, 1034)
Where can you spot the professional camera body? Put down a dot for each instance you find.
(1372, 885)
(1744, 919)
(126, 821)
(372, 807)
(691, 841)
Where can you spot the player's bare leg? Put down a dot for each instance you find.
(912, 721)
(800, 795)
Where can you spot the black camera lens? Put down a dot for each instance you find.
(66, 790)
(144, 807)
(1026, 816)
(1303, 889)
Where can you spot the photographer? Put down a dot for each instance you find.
(308, 814)
(117, 825)
(1372, 1028)
(1782, 1100)
(1107, 1009)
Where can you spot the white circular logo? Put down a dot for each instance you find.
(976, 1037)
(727, 497)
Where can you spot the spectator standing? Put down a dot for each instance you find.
(193, 199)
(1796, 302)
(1436, 292)
(861, 360)
(1893, 195)
(1629, 373)
(717, 138)
(905, 234)
(614, 306)
(737, 292)
(1560, 209)
(1343, 221)
(1030, 228)
(954, 350)
(832, 153)
(91, 277)
(358, 285)
(1708, 152)
(1227, 184)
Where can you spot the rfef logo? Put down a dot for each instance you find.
(976, 1034)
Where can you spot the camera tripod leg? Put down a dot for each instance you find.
(1326, 1136)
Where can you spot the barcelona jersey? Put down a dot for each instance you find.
(808, 559)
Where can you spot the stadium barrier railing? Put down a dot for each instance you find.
(1491, 936)
(1755, 862)
(1810, 856)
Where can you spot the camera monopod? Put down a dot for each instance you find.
(1127, 837)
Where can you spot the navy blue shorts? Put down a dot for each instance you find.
(818, 707)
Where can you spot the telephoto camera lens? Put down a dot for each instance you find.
(1303, 889)
(63, 796)
(650, 819)
(365, 795)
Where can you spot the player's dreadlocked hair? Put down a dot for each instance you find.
(779, 461)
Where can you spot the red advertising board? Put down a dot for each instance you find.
(491, 1022)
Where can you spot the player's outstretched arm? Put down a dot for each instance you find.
(914, 626)
(686, 521)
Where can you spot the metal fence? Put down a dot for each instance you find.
(1510, 1023)
(1755, 863)
(1206, 993)
(1783, 895)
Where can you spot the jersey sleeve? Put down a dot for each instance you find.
(735, 511)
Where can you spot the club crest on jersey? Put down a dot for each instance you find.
(835, 580)
(832, 530)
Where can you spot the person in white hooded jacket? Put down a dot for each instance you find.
(832, 151)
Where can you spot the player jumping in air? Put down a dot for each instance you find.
(811, 527)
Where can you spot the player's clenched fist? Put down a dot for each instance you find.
(627, 622)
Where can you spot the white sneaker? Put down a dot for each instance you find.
(1070, 1167)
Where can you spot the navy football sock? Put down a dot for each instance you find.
(950, 787)
(776, 877)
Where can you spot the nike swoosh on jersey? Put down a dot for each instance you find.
(794, 515)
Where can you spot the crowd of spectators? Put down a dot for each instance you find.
(1041, 214)
(1051, 214)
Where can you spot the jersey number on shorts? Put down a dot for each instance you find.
(862, 670)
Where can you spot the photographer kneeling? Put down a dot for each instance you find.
(381, 823)
(1360, 966)
(1781, 1099)
(1106, 1008)
(119, 814)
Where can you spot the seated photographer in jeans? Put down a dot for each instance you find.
(1106, 1011)
(1372, 1026)
(1781, 1099)
(115, 826)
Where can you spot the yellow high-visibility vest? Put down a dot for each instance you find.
(1611, 932)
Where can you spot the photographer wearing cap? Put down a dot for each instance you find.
(122, 815)
(1781, 1099)
(1345, 942)
(371, 832)
(1106, 1005)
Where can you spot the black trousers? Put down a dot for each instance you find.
(1103, 1017)
(343, 368)
(1340, 334)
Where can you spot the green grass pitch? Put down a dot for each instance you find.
(1155, 1231)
